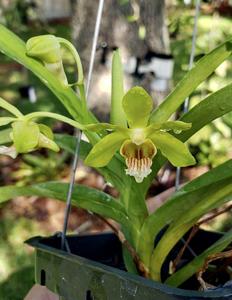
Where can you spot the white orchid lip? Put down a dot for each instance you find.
(139, 168)
(138, 158)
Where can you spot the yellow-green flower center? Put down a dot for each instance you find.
(137, 135)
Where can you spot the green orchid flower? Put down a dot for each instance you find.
(28, 136)
(25, 134)
(138, 143)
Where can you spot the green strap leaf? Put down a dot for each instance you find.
(208, 199)
(175, 151)
(218, 103)
(137, 105)
(103, 151)
(117, 115)
(194, 266)
(203, 68)
(84, 197)
(185, 200)
(209, 109)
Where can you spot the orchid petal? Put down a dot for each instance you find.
(104, 150)
(104, 126)
(44, 129)
(46, 138)
(176, 126)
(173, 149)
(137, 105)
(45, 142)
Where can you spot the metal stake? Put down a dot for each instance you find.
(78, 134)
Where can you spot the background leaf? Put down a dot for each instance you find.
(117, 115)
(83, 196)
(195, 198)
(218, 103)
(209, 109)
(203, 68)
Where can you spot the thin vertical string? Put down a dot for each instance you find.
(79, 133)
(94, 45)
(191, 60)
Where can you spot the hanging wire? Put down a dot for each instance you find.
(191, 60)
(79, 133)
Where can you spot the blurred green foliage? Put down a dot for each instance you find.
(35, 168)
(16, 259)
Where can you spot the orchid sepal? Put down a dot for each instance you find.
(173, 149)
(137, 105)
(104, 150)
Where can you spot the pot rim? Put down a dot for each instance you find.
(36, 242)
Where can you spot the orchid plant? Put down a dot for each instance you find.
(128, 151)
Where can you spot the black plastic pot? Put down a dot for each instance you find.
(94, 271)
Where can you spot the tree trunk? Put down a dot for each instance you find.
(117, 31)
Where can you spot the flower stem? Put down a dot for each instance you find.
(76, 57)
(54, 116)
(9, 107)
(83, 100)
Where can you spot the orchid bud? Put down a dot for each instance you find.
(47, 49)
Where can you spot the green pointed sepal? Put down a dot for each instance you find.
(137, 105)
